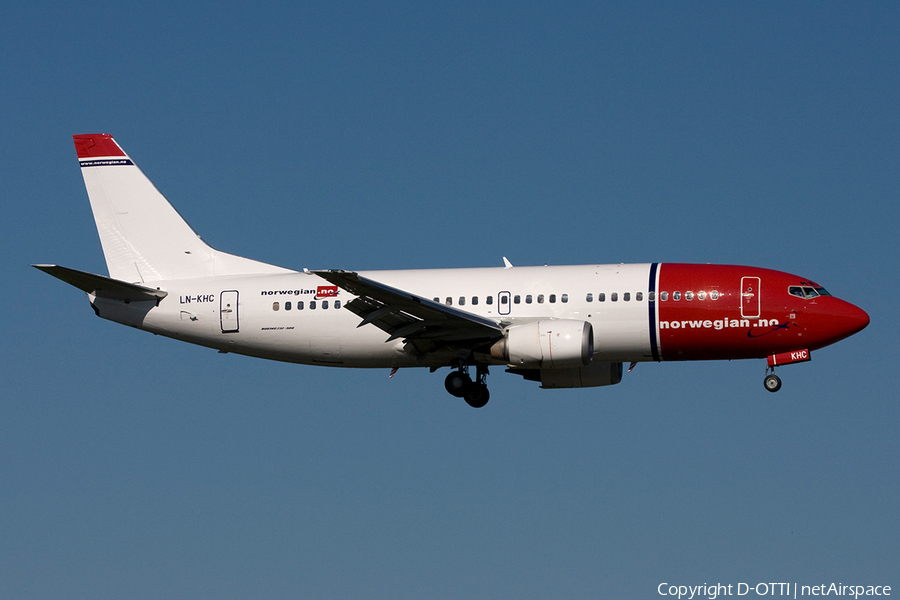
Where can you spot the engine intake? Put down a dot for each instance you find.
(549, 344)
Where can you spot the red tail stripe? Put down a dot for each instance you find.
(92, 145)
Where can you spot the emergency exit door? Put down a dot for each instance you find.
(228, 311)
(503, 304)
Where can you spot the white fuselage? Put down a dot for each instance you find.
(268, 322)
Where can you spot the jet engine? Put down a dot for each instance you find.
(549, 344)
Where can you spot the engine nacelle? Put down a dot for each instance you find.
(550, 344)
(592, 375)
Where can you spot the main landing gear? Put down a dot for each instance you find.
(460, 384)
(772, 381)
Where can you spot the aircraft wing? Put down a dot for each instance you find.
(423, 322)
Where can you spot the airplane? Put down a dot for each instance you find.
(561, 326)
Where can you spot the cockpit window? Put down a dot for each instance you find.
(807, 292)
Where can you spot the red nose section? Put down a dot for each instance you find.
(856, 319)
(845, 320)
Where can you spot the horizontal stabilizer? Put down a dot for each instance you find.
(103, 287)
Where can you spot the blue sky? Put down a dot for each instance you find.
(367, 136)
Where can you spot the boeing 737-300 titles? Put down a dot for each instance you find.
(563, 326)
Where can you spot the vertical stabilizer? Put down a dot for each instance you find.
(143, 237)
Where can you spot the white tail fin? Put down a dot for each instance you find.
(143, 237)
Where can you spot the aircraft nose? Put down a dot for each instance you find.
(857, 318)
(851, 319)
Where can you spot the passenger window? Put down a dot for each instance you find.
(300, 305)
(337, 303)
(589, 297)
(438, 300)
(449, 301)
(287, 306)
(462, 300)
(663, 296)
(489, 300)
(474, 300)
(689, 295)
(312, 305)
(639, 296)
(528, 299)
(714, 295)
(552, 298)
(626, 296)
(601, 297)
(517, 299)
(540, 298)
(676, 296)
(324, 304)
(614, 296)
(276, 306)
(564, 298)
(701, 295)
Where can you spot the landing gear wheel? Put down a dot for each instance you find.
(457, 383)
(477, 395)
(772, 382)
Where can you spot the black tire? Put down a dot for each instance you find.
(457, 383)
(477, 395)
(772, 383)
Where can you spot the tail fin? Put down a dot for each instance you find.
(145, 239)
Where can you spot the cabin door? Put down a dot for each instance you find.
(228, 311)
(750, 297)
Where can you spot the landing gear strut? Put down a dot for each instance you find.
(459, 384)
(772, 381)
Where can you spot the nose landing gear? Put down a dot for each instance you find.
(475, 393)
(772, 382)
